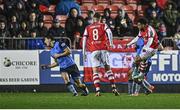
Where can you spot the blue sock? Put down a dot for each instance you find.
(130, 82)
(133, 87)
(71, 88)
(137, 88)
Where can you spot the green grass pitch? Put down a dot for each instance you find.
(106, 101)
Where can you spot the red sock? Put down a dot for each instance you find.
(110, 76)
(96, 81)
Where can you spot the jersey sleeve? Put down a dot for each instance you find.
(85, 33)
(109, 34)
(151, 32)
(62, 45)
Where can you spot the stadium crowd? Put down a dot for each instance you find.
(68, 19)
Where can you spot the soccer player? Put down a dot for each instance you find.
(150, 38)
(98, 35)
(62, 55)
(143, 66)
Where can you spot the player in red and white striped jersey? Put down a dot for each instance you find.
(98, 38)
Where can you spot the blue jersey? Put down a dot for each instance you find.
(139, 47)
(65, 61)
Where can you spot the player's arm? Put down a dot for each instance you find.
(84, 43)
(133, 41)
(151, 35)
(66, 52)
(44, 66)
(109, 34)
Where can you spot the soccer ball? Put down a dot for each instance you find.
(7, 62)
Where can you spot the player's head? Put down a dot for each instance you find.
(96, 17)
(49, 41)
(142, 23)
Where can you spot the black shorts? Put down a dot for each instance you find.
(72, 70)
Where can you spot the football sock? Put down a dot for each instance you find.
(137, 88)
(130, 82)
(96, 81)
(71, 88)
(110, 76)
(132, 87)
(147, 83)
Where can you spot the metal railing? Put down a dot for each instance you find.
(169, 43)
(28, 43)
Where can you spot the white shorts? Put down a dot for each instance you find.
(99, 57)
(148, 53)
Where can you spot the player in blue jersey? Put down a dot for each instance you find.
(62, 55)
(139, 71)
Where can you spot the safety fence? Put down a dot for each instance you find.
(28, 43)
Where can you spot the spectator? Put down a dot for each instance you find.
(71, 22)
(41, 29)
(153, 7)
(34, 42)
(34, 8)
(4, 33)
(8, 5)
(124, 26)
(2, 4)
(109, 21)
(22, 13)
(89, 18)
(103, 19)
(177, 38)
(2, 14)
(162, 31)
(158, 24)
(57, 30)
(170, 18)
(13, 26)
(43, 2)
(80, 27)
(33, 23)
(24, 30)
(64, 7)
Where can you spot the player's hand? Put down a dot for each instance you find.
(44, 67)
(126, 46)
(111, 46)
(56, 56)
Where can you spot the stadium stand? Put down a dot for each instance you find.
(98, 8)
(134, 8)
(105, 3)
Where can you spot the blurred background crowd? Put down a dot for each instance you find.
(22, 22)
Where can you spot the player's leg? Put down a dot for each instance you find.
(96, 81)
(130, 81)
(105, 60)
(68, 83)
(111, 79)
(136, 89)
(75, 74)
(95, 61)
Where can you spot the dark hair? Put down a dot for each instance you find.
(90, 12)
(49, 36)
(97, 15)
(107, 10)
(142, 21)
